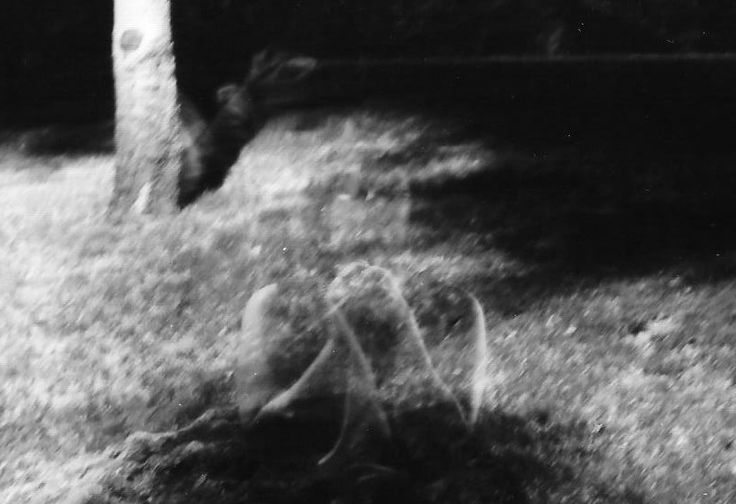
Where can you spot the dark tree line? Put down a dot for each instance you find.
(55, 54)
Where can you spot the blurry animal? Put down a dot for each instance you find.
(212, 148)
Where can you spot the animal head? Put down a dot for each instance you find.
(271, 79)
(211, 149)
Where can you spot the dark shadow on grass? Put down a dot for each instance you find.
(508, 459)
(590, 223)
(574, 195)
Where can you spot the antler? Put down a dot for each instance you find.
(271, 67)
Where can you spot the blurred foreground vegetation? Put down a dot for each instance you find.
(605, 267)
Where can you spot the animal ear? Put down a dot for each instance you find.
(226, 92)
(294, 69)
(260, 64)
(273, 67)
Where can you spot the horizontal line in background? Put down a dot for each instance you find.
(537, 59)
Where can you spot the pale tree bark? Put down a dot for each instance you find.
(148, 127)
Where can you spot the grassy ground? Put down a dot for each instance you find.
(605, 269)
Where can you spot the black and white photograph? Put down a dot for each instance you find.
(367, 252)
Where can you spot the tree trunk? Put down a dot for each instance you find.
(147, 123)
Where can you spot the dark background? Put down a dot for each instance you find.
(55, 61)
